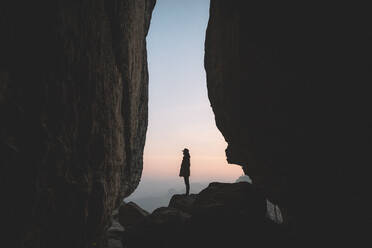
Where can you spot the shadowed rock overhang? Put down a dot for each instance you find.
(288, 83)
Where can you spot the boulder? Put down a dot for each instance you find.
(222, 215)
(115, 231)
(168, 215)
(236, 199)
(183, 202)
(231, 215)
(165, 227)
(114, 235)
(130, 214)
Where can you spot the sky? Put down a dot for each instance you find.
(180, 115)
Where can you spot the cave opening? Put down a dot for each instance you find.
(180, 114)
(179, 109)
(73, 97)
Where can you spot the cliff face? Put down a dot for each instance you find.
(288, 86)
(73, 105)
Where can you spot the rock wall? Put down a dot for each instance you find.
(288, 83)
(73, 107)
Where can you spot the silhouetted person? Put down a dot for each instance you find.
(185, 169)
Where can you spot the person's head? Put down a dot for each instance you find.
(186, 151)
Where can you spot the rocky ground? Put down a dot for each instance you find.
(222, 215)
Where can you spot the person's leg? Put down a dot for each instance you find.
(187, 183)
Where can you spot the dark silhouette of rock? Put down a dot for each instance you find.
(130, 214)
(289, 87)
(229, 198)
(168, 215)
(222, 215)
(183, 202)
(227, 214)
(73, 106)
(162, 228)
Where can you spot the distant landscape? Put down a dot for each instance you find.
(152, 194)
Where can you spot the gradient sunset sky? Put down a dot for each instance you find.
(179, 110)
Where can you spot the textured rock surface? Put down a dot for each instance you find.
(115, 231)
(183, 202)
(130, 213)
(73, 106)
(114, 235)
(288, 86)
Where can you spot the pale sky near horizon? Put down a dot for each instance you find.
(179, 110)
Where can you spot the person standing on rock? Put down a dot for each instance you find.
(185, 169)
